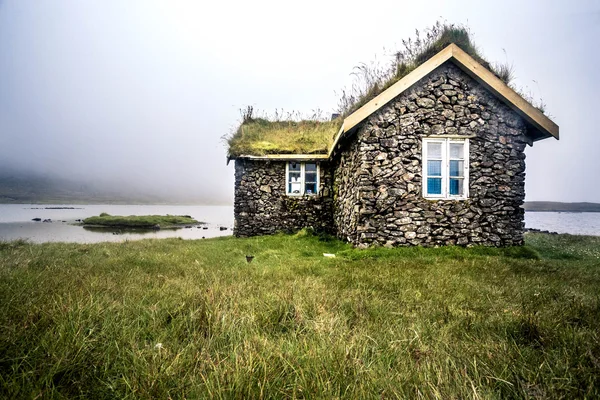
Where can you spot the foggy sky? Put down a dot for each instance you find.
(140, 93)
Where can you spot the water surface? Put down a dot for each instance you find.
(16, 222)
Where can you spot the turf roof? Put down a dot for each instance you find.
(261, 136)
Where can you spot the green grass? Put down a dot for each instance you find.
(192, 319)
(260, 136)
(139, 221)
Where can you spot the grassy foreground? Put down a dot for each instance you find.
(192, 319)
(139, 221)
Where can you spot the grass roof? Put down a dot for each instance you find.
(376, 79)
(260, 136)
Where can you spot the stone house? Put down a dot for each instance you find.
(436, 159)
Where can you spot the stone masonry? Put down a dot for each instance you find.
(378, 173)
(261, 206)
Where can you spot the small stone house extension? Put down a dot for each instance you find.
(436, 159)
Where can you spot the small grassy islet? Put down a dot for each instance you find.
(192, 319)
(139, 221)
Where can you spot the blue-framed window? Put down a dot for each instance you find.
(445, 168)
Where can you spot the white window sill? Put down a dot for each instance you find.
(445, 198)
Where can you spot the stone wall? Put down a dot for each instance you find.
(377, 180)
(349, 180)
(261, 206)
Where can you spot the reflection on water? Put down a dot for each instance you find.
(16, 222)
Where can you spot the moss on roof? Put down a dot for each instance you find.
(260, 136)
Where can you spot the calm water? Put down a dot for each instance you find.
(565, 222)
(16, 222)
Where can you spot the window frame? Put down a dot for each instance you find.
(445, 175)
(302, 178)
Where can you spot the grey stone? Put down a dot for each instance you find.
(425, 102)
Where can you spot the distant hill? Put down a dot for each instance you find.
(564, 207)
(23, 187)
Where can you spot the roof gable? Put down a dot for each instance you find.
(543, 127)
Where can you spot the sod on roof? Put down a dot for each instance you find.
(257, 136)
(261, 137)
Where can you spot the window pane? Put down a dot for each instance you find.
(434, 168)
(457, 150)
(294, 177)
(294, 187)
(310, 177)
(456, 187)
(311, 188)
(434, 150)
(434, 185)
(310, 167)
(456, 168)
(294, 166)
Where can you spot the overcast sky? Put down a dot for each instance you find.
(141, 92)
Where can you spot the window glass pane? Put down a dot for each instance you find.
(310, 167)
(311, 188)
(434, 168)
(456, 168)
(456, 187)
(294, 166)
(434, 150)
(310, 177)
(294, 177)
(457, 150)
(294, 187)
(434, 185)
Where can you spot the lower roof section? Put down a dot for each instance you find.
(282, 157)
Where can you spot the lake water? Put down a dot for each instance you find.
(16, 222)
(587, 223)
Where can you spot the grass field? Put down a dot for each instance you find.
(192, 319)
(139, 221)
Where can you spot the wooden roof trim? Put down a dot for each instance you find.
(397, 88)
(337, 138)
(471, 67)
(500, 89)
(285, 157)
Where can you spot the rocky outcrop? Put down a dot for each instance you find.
(262, 207)
(378, 172)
